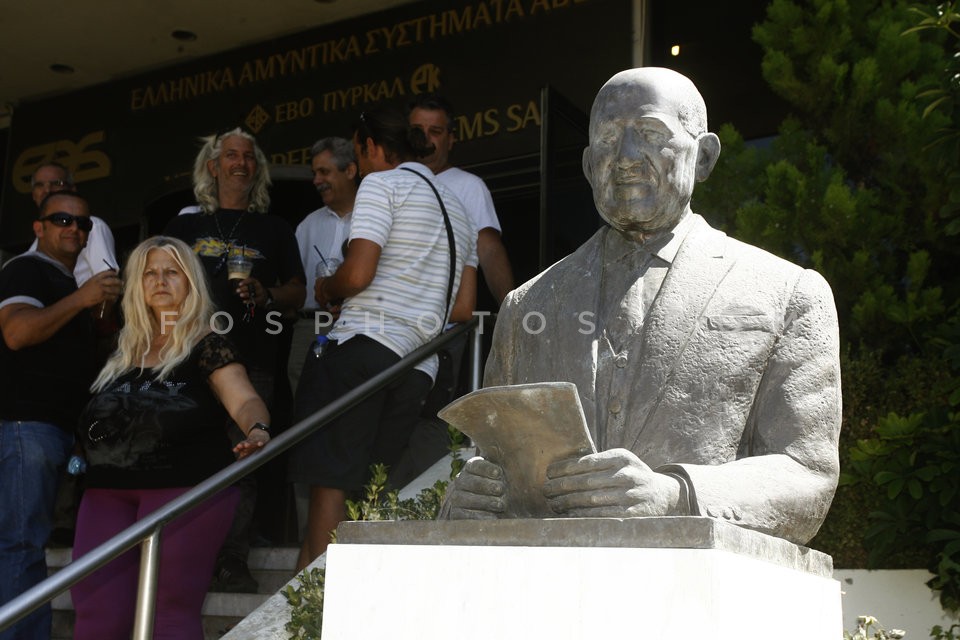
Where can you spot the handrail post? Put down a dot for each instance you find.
(147, 587)
(476, 345)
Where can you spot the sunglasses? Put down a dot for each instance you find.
(61, 219)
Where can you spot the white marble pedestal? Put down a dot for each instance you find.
(576, 579)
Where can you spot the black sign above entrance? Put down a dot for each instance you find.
(132, 141)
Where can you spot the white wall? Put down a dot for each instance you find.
(897, 599)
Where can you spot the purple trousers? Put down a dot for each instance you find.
(106, 599)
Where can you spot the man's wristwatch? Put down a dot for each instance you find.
(261, 426)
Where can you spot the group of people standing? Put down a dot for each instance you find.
(190, 385)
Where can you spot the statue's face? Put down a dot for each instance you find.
(641, 162)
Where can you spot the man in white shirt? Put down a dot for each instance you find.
(434, 115)
(321, 236)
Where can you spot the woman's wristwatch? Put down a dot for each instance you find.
(259, 425)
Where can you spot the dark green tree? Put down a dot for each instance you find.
(847, 188)
(861, 185)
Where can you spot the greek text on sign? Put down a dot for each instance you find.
(481, 14)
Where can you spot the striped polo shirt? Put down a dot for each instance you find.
(404, 305)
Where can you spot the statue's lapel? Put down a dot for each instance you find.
(697, 269)
(576, 307)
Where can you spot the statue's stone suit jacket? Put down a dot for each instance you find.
(736, 386)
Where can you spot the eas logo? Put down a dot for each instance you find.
(85, 163)
(425, 79)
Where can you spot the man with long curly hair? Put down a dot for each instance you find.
(230, 183)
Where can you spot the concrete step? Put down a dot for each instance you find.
(272, 567)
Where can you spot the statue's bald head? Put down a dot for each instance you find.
(666, 88)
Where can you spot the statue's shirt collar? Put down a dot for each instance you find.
(664, 245)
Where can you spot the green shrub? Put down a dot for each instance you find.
(864, 626)
(377, 504)
(306, 605)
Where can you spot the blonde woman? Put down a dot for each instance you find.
(155, 427)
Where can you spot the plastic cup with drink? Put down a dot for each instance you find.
(239, 268)
(328, 268)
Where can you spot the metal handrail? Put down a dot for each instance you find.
(147, 530)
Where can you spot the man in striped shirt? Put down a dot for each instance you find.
(411, 249)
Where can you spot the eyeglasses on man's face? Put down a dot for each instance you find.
(62, 219)
(52, 185)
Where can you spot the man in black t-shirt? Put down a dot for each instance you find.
(230, 182)
(47, 362)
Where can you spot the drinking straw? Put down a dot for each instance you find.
(103, 305)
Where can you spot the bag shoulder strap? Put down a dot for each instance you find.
(450, 240)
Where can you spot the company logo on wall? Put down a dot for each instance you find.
(257, 118)
(426, 79)
(82, 158)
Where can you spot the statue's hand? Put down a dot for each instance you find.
(613, 483)
(477, 493)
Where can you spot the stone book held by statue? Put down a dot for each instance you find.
(524, 428)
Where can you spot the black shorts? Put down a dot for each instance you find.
(377, 430)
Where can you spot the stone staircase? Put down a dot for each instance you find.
(228, 614)
(268, 621)
(272, 568)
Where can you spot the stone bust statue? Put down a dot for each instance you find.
(708, 369)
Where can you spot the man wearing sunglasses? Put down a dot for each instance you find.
(46, 366)
(98, 255)
(100, 251)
